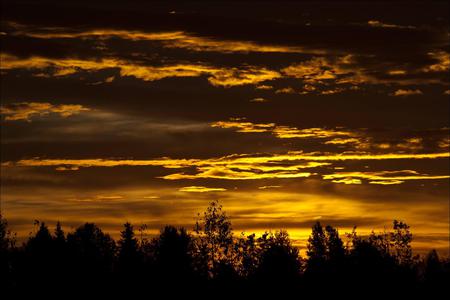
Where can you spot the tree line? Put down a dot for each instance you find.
(212, 257)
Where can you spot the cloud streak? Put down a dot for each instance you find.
(200, 189)
(282, 132)
(376, 23)
(382, 177)
(405, 93)
(249, 167)
(169, 39)
(26, 111)
(442, 64)
(222, 77)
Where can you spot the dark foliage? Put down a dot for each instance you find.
(211, 259)
(173, 257)
(279, 261)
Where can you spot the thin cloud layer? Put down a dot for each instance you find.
(442, 64)
(200, 189)
(223, 77)
(382, 177)
(283, 132)
(376, 23)
(402, 92)
(26, 111)
(249, 167)
(173, 39)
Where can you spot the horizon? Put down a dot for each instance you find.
(299, 239)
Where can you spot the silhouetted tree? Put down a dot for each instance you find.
(371, 261)
(334, 245)
(401, 239)
(146, 247)
(60, 246)
(129, 256)
(59, 237)
(326, 255)
(6, 239)
(177, 261)
(336, 261)
(434, 270)
(317, 249)
(173, 254)
(213, 246)
(247, 255)
(39, 246)
(7, 246)
(42, 240)
(92, 253)
(40, 256)
(279, 260)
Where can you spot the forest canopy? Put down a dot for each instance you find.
(212, 255)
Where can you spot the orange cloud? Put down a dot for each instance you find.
(244, 126)
(375, 23)
(319, 73)
(171, 39)
(27, 110)
(283, 132)
(322, 72)
(343, 141)
(293, 132)
(109, 197)
(287, 90)
(318, 68)
(381, 177)
(259, 99)
(414, 143)
(265, 187)
(264, 87)
(255, 166)
(347, 181)
(396, 72)
(236, 76)
(405, 93)
(200, 189)
(444, 143)
(224, 77)
(442, 62)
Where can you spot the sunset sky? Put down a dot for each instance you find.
(287, 113)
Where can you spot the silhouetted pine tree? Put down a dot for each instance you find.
(60, 237)
(434, 270)
(39, 253)
(173, 255)
(129, 256)
(317, 250)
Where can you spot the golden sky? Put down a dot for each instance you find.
(287, 114)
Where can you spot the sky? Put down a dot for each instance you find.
(287, 113)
